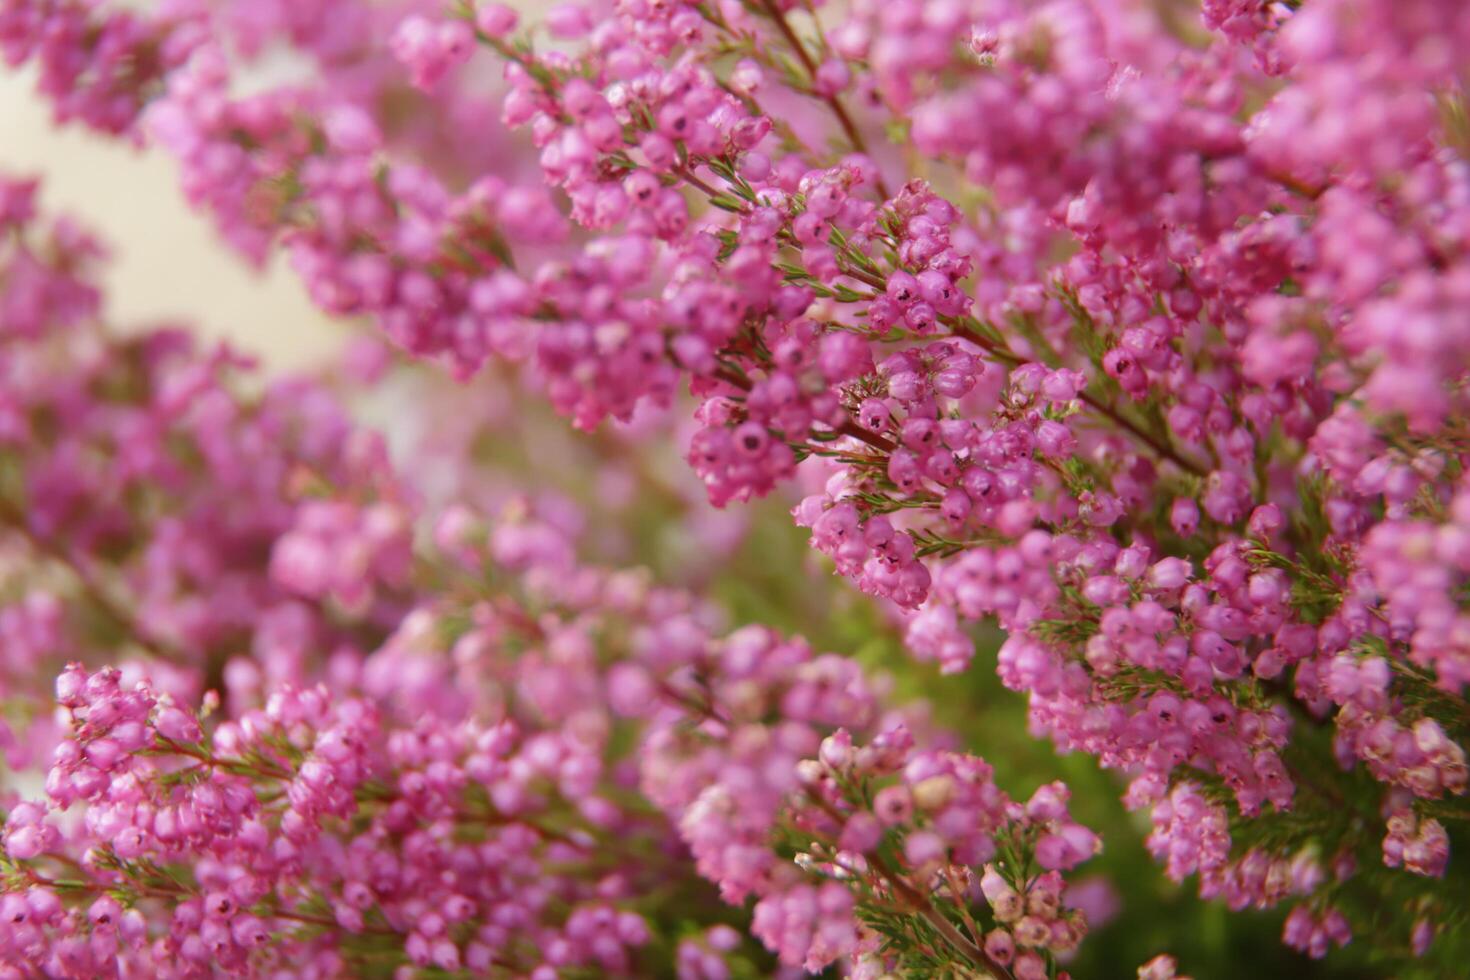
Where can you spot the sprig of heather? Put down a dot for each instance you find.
(328, 833)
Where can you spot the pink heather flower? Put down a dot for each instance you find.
(430, 49)
(495, 19)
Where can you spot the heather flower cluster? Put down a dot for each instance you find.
(1118, 348)
(382, 812)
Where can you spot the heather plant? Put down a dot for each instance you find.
(1112, 353)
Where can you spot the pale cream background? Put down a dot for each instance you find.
(167, 262)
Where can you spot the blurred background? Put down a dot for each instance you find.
(168, 264)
